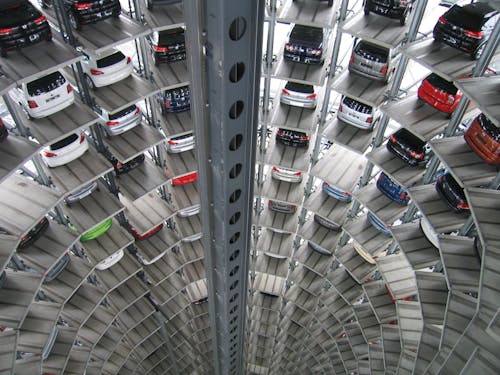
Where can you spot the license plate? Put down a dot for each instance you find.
(365, 65)
(296, 58)
(52, 98)
(450, 39)
(34, 37)
(108, 12)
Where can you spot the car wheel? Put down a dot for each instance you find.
(478, 52)
(90, 83)
(73, 21)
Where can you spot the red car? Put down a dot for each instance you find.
(484, 138)
(439, 93)
(185, 179)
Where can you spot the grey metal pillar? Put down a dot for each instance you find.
(224, 60)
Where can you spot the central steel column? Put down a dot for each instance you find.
(224, 39)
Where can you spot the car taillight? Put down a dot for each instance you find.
(392, 138)
(172, 143)
(83, 6)
(316, 52)
(346, 193)
(304, 137)
(463, 205)
(69, 88)
(112, 123)
(451, 99)
(286, 92)
(383, 70)
(312, 96)
(340, 107)
(119, 165)
(276, 169)
(279, 132)
(49, 154)
(403, 195)
(297, 173)
(129, 60)
(352, 58)
(185, 179)
(137, 111)
(289, 47)
(6, 31)
(96, 72)
(160, 49)
(418, 156)
(270, 203)
(32, 104)
(369, 120)
(442, 20)
(82, 137)
(40, 19)
(474, 34)
(403, 3)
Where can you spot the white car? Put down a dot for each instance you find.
(189, 211)
(106, 68)
(110, 261)
(120, 121)
(180, 143)
(66, 150)
(429, 232)
(45, 95)
(299, 95)
(286, 174)
(356, 113)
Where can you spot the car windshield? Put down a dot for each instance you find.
(466, 18)
(110, 60)
(299, 87)
(489, 127)
(174, 36)
(12, 14)
(123, 112)
(442, 84)
(372, 52)
(45, 84)
(306, 34)
(64, 142)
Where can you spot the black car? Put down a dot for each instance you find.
(399, 9)
(292, 138)
(121, 168)
(306, 44)
(408, 147)
(452, 193)
(32, 235)
(82, 12)
(467, 27)
(3, 131)
(174, 100)
(21, 24)
(168, 45)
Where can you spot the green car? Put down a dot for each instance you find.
(97, 230)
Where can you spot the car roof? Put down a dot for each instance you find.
(479, 9)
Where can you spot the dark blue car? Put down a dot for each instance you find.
(392, 190)
(175, 100)
(378, 224)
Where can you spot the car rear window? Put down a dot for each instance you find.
(442, 84)
(358, 106)
(306, 34)
(110, 60)
(64, 142)
(171, 36)
(409, 139)
(45, 84)
(465, 18)
(177, 93)
(123, 112)
(299, 87)
(489, 127)
(372, 52)
(12, 14)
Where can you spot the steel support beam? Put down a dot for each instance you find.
(224, 60)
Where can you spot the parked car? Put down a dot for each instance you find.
(292, 138)
(306, 44)
(189, 211)
(110, 261)
(391, 189)
(45, 96)
(185, 179)
(192, 238)
(81, 193)
(439, 93)
(66, 150)
(336, 192)
(180, 143)
(57, 268)
(319, 249)
(286, 174)
(121, 168)
(399, 9)
(484, 138)
(298, 95)
(151, 3)
(356, 113)
(174, 100)
(3, 131)
(33, 234)
(467, 27)
(97, 231)
(106, 68)
(408, 147)
(328, 224)
(119, 122)
(143, 236)
(452, 193)
(281, 207)
(372, 61)
(168, 45)
(378, 224)
(21, 24)
(429, 232)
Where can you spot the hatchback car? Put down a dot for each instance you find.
(439, 93)
(66, 150)
(391, 189)
(281, 207)
(106, 68)
(174, 100)
(3, 131)
(408, 147)
(110, 261)
(373, 61)
(452, 193)
(328, 224)
(97, 231)
(467, 27)
(319, 249)
(180, 143)
(119, 122)
(378, 224)
(298, 95)
(292, 138)
(306, 44)
(21, 24)
(484, 138)
(399, 9)
(81, 193)
(45, 95)
(356, 113)
(143, 236)
(168, 45)
(121, 168)
(286, 174)
(185, 179)
(336, 192)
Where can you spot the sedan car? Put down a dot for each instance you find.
(356, 113)
(281, 207)
(66, 150)
(378, 224)
(174, 100)
(452, 193)
(391, 189)
(97, 231)
(180, 143)
(286, 174)
(168, 45)
(106, 68)
(408, 147)
(298, 95)
(110, 261)
(326, 223)
(336, 192)
(119, 122)
(484, 138)
(292, 138)
(439, 93)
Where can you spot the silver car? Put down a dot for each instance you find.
(373, 61)
(180, 143)
(282, 207)
(286, 174)
(298, 95)
(356, 113)
(119, 122)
